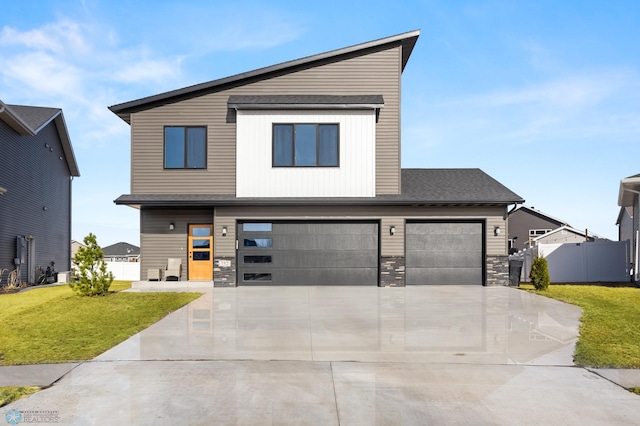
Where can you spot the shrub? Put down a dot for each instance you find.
(539, 274)
(90, 276)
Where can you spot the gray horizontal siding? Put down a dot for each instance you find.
(376, 73)
(158, 243)
(35, 178)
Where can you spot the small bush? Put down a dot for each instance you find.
(90, 276)
(539, 274)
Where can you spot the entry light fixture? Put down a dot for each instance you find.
(224, 231)
(496, 231)
(172, 226)
(392, 230)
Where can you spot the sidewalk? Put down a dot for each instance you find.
(42, 375)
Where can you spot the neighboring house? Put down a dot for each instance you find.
(290, 175)
(625, 227)
(564, 234)
(526, 224)
(75, 245)
(37, 166)
(121, 252)
(628, 197)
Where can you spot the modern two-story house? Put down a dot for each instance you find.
(291, 175)
(37, 167)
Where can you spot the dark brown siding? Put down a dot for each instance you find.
(376, 73)
(38, 198)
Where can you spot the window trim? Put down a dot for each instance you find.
(164, 147)
(293, 150)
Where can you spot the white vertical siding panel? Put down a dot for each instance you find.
(355, 177)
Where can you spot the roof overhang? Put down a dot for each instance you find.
(206, 200)
(14, 121)
(304, 102)
(629, 187)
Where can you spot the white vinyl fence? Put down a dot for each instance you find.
(128, 271)
(589, 262)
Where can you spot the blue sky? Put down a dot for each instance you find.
(542, 95)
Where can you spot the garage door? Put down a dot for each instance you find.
(444, 253)
(308, 253)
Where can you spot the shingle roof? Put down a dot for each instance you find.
(419, 186)
(35, 117)
(406, 40)
(305, 101)
(455, 186)
(29, 120)
(121, 249)
(540, 214)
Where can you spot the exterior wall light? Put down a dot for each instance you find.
(172, 226)
(496, 231)
(224, 231)
(392, 230)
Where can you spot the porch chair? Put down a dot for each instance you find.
(173, 271)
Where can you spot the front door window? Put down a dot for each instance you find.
(200, 252)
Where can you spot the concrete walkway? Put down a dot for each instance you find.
(347, 355)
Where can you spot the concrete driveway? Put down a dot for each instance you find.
(345, 355)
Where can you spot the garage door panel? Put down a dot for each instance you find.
(442, 228)
(444, 259)
(324, 242)
(326, 276)
(311, 253)
(327, 228)
(444, 253)
(429, 242)
(330, 259)
(445, 276)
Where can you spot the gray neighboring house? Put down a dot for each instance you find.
(36, 172)
(526, 224)
(625, 227)
(565, 234)
(291, 175)
(121, 252)
(628, 196)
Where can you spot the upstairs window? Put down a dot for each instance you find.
(305, 145)
(185, 147)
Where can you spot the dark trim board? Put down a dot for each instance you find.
(445, 252)
(308, 252)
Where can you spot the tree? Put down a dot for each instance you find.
(539, 274)
(90, 276)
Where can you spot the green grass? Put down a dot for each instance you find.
(610, 324)
(635, 390)
(53, 325)
(8, 394)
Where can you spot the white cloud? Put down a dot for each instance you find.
(42, 72)
(146, 70)
(56, 37)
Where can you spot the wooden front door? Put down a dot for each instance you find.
(200, 252)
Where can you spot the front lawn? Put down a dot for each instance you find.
(53, 325)
(610, 324)
(8, 394)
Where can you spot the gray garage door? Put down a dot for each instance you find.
(444, 253)
(308, 253)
